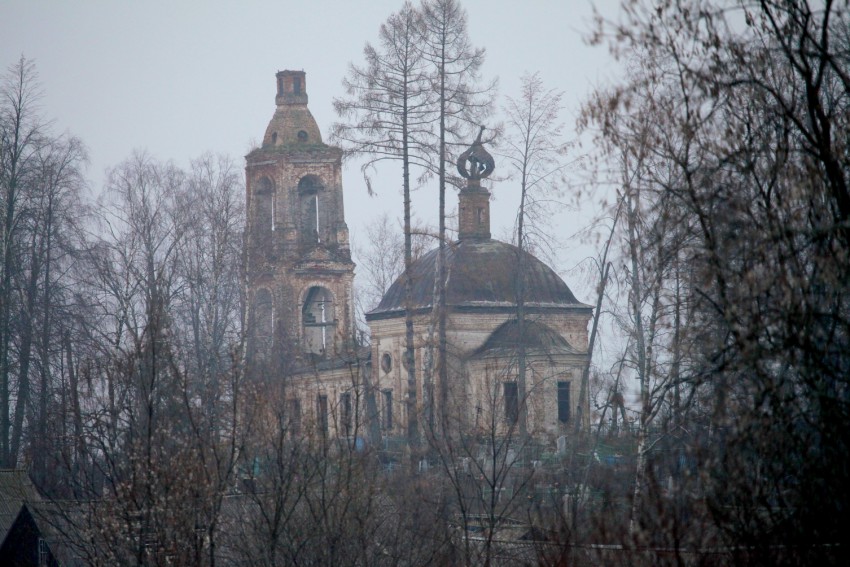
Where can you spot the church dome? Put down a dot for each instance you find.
(481, 275)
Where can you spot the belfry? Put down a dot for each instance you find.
(299, 272)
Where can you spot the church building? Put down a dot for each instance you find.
(299, 280)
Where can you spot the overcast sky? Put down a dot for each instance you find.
(179, 78)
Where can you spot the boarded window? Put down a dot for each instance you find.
(388, 409)
(511, 402)
(322, 414)
(563, 402)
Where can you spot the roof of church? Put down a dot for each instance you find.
(481, 274)
(292, 125)
(536, 336)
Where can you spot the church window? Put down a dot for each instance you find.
(280, 86)
(346, 412)
(481, 215)
(386, 362)
(294, 417)
(318, 320)
(302, 136)
(263, 323)
(274, 137)
(322, 414)
(511, 402)
(296, 85)
(563, 402)
(387, 421)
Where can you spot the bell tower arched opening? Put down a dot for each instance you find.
(312, 199)
(319, 321)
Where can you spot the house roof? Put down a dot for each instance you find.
(63, 524)
(16, 489)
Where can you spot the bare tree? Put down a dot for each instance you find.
(382, 260)
(55, 221)
(157, 411)
(391, 113)
(462, 101)
(535, 151)
(603, 266)
(22, 138)
(40, 178)
(310, 498)
(209, 301)
(745, 160)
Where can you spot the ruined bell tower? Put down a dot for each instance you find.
(299, 272)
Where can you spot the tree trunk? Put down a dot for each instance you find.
(409, 347)
(605, 269)
(635, 295)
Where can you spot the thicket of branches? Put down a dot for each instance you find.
(728, 148)
(725, 270)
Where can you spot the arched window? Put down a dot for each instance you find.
(386, 362)
(318, 321)
(264, 206)
(311, 194)
(263, 324)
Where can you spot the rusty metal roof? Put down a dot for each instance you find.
(480, 274)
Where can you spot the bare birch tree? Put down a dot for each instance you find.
(536, 153)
